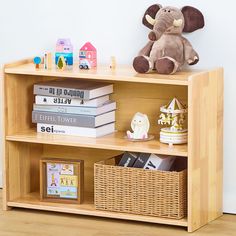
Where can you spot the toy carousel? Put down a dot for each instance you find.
(173, 115)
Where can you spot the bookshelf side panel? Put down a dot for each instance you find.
(3, 142)
(205, 148)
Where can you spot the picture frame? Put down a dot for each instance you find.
(61, 180)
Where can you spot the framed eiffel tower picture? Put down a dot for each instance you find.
(61, 180)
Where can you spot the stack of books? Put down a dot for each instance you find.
(74, 107)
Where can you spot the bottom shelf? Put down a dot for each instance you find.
(32, 201)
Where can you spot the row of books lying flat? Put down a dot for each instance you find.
(74, 107)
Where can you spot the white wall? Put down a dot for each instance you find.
(27, 28)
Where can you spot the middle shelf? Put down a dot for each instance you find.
(115, 141)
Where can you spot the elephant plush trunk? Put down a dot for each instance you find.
(160, 27)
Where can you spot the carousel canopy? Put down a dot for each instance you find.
(174, 106)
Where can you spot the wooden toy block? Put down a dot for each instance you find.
(61, 64)
(48, 61)
(37, 61)
(88, 56)
(64, 48)
(113, 63)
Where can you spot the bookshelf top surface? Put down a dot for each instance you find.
(121, 73)
(115, 141)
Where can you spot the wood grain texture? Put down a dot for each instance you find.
(121, 73)
(25, 222)
(24, 162)
(115, 141)
(203, 91)
(130, 98)
(23, 168)
(145, 98)
(8, 126)
(88, 155)
(205, 148)
(32, 201)
(3, 145)
(18, 63)
(24, 165)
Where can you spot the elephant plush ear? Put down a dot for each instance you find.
(193, 18)
(151, 12)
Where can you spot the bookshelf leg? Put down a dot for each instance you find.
(6, 208)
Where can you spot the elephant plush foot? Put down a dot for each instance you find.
(141, 64)
(166, 66)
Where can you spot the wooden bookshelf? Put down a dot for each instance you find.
(24, 147)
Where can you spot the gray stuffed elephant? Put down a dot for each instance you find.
(167, 51)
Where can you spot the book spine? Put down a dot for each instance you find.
(128, 159)
(61, 92)
(63, 119)
(67, 109)
(76, 131)
(153, 162)
(166, 163)
(46, 100)
(67, 130)
(142, 160)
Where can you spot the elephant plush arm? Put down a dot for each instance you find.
(146, 50)
(190, 55)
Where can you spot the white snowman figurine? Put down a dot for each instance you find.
(140, 126)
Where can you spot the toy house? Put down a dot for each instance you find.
(87, 56)
(64, 48)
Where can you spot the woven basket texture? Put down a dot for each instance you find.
(139, 191)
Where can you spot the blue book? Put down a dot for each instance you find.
(80, 110)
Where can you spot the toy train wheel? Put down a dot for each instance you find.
(81, 67)
(86, 67)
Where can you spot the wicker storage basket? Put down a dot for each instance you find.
(139, 191)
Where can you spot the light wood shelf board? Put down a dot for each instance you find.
(115, 141)
(122, 74)
(32, 201)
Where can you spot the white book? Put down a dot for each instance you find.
(47, 100)
(150, 161)
(71, 88)
(76, 131)
(166, 163)
(92, 111)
